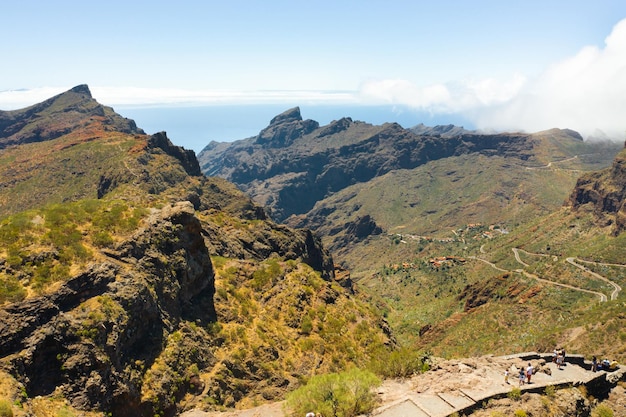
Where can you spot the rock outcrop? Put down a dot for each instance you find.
(605, 192)
(285, 128)
(187, 157)
(151, 282)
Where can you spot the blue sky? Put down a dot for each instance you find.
(504, 65)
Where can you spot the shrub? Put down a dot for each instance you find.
(602, 411)
(64, 412)
(520, 413)
(10, 289)
(550, 390)
(344, 394)
(266, 274)
(515, 394)
(398, 363)
(102, 239)
(5, 409)
(306, 326)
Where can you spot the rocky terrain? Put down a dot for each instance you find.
(605, 191)
(149, 288)
(294, 163)
(58, 116)
(570, 391)
(132, 284)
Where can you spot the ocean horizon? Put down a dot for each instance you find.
(194, 127)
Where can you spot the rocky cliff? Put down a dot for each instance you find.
(605, 192)
(85, 340)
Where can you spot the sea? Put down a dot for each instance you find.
(194, 127)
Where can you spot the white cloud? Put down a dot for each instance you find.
(159, 97)
(443, 98)
(17, 99)
(586, 92)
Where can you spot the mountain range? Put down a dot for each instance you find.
(400, 208)
(134, 285)
(137, 278)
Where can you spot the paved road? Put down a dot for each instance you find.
(572, 261)
(616, 287)
(535, 277)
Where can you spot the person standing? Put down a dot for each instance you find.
(529, 372)
(522, 376)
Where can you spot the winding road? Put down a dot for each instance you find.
(616, 287)
(571, 260)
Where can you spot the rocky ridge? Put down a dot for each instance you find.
(54, 348)
(58, 116)
(350, 180)
(294, 163)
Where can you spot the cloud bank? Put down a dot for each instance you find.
(164, 97)
(586, 92)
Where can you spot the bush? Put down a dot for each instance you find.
(399, 363)
(10, 289)
(515, 394)
(520, 413)
(344, 394)
(5, 409)
(602, 411)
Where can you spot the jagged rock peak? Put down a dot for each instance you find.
(81, 89)
(285, 128)
(291, 115)
(186, 157)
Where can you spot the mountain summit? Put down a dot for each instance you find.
(67, 112)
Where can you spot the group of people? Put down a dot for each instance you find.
(605, 365)
(524, 376)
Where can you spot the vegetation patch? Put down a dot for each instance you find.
(344, 394)
(45, 246)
